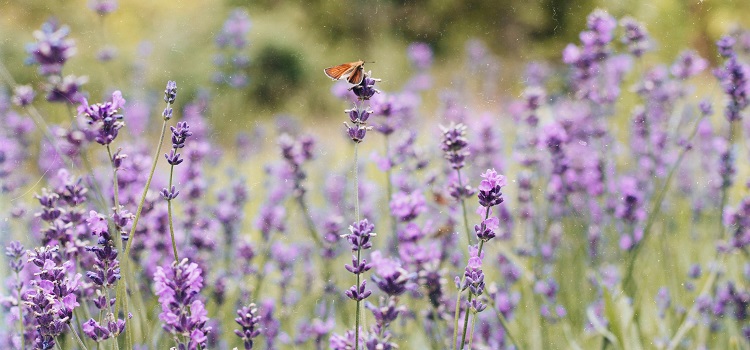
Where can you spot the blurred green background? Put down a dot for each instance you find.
(292, 41)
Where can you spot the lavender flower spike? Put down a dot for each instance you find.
(249, 319)
(183, 312)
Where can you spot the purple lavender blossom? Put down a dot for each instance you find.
(103, 7)
(725, 45)
(235, 29)
(52, 48)
(346, 341)
(65, 90)
(407, 206)
(586, 60)
(249, 320)
(23, 95)
(490, 188)
(734, 78)
(738, 220)
(384, 314)
(688, 64)
(420, 55)
(106, 269)
(365, 90)
(389, 276)
(180, 133)
(183, 312)
(636, 38)
(454, 144)
(360, 234)
(231, 61)
(15, 253)
(170, 92)
(52, 297)
(104, 118)
(473, 276)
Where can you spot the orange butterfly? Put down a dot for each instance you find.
(355, 72)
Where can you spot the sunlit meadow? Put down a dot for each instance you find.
(603, 204)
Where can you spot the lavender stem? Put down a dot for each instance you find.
(115, 186)
(389, 187)
(20, 311)
(169, 215)
(359, 248)
(121, 287)
(463, 208)
(77, 338)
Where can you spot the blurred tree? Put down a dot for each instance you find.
(277, 73)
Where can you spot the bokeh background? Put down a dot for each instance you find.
(290, 42)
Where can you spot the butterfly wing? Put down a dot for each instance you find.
(357, 75)
(336, 72)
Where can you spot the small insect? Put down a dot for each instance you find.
(353, 71)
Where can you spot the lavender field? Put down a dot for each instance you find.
(191, 188)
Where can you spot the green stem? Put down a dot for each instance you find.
(458, 298)
(357, 313)
(116, 189)
(77, 338)
(725, 179)
(463, 208)
(468, 303)
(471, 333)
(131, 236)
(504, 324)
(359, 249)
(389, 187)
(169, 215)
(651, 219)
(689, 320)
(20, 312)
(688, 323)
(121, 293)
(309, 222)
(456, 314)
(356, 182)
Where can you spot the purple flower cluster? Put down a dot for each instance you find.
(183, 313)
(734, 77)
(359, 114)
(359, 238)
(103, 7)
(52, 48)
(738, 220)
(454, 144)
(407, 206)
(635, 37)
(249, 321)
(586, 60)
(489, 189)
(586, 193)
(103, 118)
(296, 152)
(389, 276)
(51, 298)
(232, 61)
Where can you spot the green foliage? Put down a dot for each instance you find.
(276, 74)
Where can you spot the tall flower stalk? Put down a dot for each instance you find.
(361, 230)
(180, 133)
(170, 93)
(455, 150)
(183, 313)
(16, 254)
(490, 195)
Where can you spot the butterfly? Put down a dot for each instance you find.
(353, 71)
